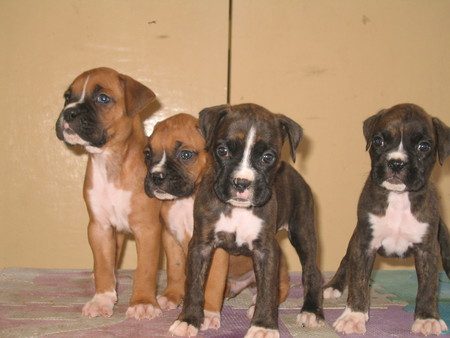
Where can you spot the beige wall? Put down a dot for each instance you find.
(326, 64)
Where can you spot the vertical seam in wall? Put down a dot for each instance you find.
(230, 27)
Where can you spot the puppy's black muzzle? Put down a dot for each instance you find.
(396, 165)
(158, 178)
(240, 184)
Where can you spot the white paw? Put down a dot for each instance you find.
(429, 326)
(351, 322)
(251, 311)
(307, 319)
(179, 328)
(261, 332)
(165, 303)
(331, 293)
(211, 321)
(100, 305)
(143, 311)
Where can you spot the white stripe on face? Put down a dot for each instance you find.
(245, 170)
(398, 154)
(160, 166)
(83, 95)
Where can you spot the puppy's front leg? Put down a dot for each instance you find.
(361, 259)
(191, 316)
(103, 245)
(143, 304)
(266, 256)
(427, 320)
(176, 270)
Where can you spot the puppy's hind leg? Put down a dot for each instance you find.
(336, 286)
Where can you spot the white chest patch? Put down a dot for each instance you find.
(243, 223)
(181, 219)
(398, 229)
(111, 206)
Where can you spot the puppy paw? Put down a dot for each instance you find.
(331, 293)
(143, 311)
(307, 319)
(179, 328)
(251, 311)
(429, 326)
(351, 322)
(166, 304)
(101, 304)
(261, 332)
(211, 321)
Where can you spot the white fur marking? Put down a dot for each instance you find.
(245, 170)
(398, 229)
(394, 187)
(351, 322)
(330, 293)
(181, 218)
(398, 154)
(111, 206)
(256, 331)
(160, 165)
(243, 223)
(82, 97)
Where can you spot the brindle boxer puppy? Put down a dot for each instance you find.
(244, 198)
(398, 215)
(176, 159)
(101, 113)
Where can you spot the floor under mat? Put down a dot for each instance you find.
(37, 302)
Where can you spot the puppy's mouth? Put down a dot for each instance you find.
(162, 195)
(394, 183)
(241, 199)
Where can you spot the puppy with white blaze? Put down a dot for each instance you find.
(398, 216)
(245, 197)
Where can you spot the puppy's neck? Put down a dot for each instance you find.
(122, 153)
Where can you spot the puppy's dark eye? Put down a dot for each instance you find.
(222, 151)
(268, 158)
(378, 141)
(148, 155)
(185, 155)
(424, 146)
(102, 98)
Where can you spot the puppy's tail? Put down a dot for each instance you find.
(444, 242)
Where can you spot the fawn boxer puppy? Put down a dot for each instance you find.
(101, 113)
(244, 198)
(398, 215)
(176, 160)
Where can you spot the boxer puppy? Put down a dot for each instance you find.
(176, 160)
(398, 215)
(244, 198)
(101, 114)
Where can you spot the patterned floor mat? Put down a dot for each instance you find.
(38, 302)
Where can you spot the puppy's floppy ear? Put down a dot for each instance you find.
(209, 119)
(137, 96)
(368, 127)
(443, 139)
(292, 130)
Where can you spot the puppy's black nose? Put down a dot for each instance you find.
(240, 184)
(70, 114)
(396, 165)
(158, 178)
